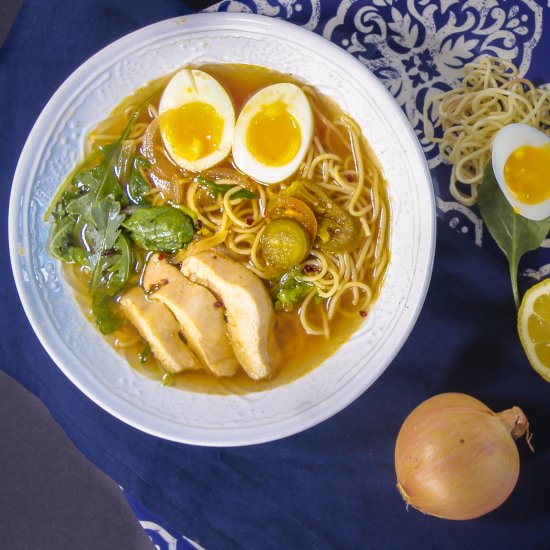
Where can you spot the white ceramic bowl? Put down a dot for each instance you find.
(55, 145)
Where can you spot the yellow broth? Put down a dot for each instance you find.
(301, 352)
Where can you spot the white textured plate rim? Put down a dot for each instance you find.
(142, 419)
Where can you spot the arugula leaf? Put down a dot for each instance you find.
(116, 159)
(138, 187)
(87, 220)
(115, 266)
(88, 180)
(120, 264)
(514, 234)
(61, 244)
(68, 184)
(291, 290)
(216, 189)
(160, 228)
(65, 241)
(104, 177)
(243, 194)
(144, 354)
(104, 309)
(106, 216)
(101, 235)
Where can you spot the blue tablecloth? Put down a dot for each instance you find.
(332, 486)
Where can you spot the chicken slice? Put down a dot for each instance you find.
(158, 326)
(249, 311)
(197, 311)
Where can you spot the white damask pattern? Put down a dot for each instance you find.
(419, 47)
(159, 536)
(303, 12)
(163, 540)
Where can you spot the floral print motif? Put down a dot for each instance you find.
(419, 47)
(421, 68)
(302, 12)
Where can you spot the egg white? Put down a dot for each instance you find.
(189, 86)
(506, 141)
(297, 104)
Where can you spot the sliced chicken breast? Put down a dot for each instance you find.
(159, 327)
(198, 312)
(249, 311)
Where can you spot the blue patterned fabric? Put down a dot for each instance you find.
(163, 536)
(332, 486)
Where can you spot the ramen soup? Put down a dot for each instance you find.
(228, 229)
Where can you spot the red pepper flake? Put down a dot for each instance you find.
(249, 221)
(161, 257)
(363, 313)
(310, 268)
(164, 281)
(199, 223)
(218, 304)
(349, 178)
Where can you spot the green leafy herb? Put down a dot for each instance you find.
(187, 211)
(243, 194)
(68, 183)
(144, 354)
(115, 266)
(87, 220)
(101, 235)
(138, 187)
(167, 379)
(114, 269)
(160, 228)
(291, 290)
(222, 188)
(103, 179)
(104, 308)
(514, 234)
(65, 243)
(87, 215)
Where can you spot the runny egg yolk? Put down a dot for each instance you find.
(273, 135)
(193, 130)
(526, 173)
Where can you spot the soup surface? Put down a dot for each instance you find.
(317, 239)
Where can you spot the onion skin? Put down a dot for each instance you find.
(457, 459)
(161, 166)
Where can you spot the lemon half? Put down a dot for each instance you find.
(534, 327)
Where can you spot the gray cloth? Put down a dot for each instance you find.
(51, 496)
(8, 12)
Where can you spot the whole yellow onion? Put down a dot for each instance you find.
(457, 459)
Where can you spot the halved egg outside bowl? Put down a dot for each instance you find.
(521, 164)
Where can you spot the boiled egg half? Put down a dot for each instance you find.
(521, 164)
(273, 132)
(196, 120)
